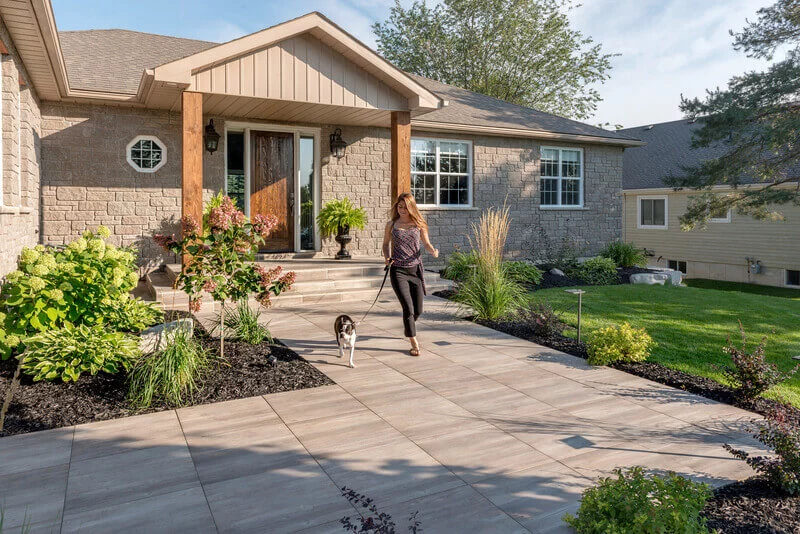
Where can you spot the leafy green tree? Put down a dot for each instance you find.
(756, 124)
(520, 51)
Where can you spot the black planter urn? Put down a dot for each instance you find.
(343, 237)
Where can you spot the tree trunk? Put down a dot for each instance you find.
(10, 393)
(222, 331)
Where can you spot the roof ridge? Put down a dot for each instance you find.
(138, 32)
(645, 125)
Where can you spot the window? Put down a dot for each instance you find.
(441, 172)
(721, 216)
(234, 183)
(792, 278)
(561, 177)
(652, 212)
(677, 265)
(146, 153)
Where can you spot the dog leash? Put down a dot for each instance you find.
(385, 276)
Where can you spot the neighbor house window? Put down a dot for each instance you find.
(441, 172)
(720, 216)
(146, 153)
(562, 177)
(792, 278)
(677, 265)
(652, 212)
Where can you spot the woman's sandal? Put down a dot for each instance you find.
(414, 352)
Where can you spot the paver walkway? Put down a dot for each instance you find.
(482, 433)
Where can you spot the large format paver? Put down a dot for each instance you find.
(482, 433)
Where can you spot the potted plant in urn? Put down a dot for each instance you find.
(337, 217)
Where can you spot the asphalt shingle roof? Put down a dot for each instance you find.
(668, 149)
(113, 60)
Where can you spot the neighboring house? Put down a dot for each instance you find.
(106, 127)
(733, 247)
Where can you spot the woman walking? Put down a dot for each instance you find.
(401, 249)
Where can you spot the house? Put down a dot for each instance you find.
(732, 247)
(107, 127)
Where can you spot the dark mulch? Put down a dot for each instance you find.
(245, 373)
(752, 506)
(553, 280)
(747, 507)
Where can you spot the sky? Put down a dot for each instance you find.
(667, 47)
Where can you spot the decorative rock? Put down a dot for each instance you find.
(650, 278)
(156, 337)
(556, 272)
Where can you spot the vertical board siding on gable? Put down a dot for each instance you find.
(301, 69)
(775, 243)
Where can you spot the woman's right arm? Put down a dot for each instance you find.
(387, 243)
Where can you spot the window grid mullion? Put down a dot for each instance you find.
(437, 198)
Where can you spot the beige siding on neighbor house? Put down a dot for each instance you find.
(719, 252)
(300, 69)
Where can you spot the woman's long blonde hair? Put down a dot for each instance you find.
(413, 211)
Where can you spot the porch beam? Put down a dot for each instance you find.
(192, 157)
(401, 153)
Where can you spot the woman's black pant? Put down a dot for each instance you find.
(408, 288)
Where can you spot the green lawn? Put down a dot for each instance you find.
(691, 325)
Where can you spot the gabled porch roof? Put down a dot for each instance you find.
(307, 69)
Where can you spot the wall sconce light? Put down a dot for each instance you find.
(337, 145)
(211, 137)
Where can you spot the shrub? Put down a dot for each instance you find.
(81, 284)
(636, 503)
(619, 344)
(751, 374)
(523, 272)
(65, 353)
(218, 259)
(342, 214)
(781, 433)
(490, 292)
(134, 315)
(596, 271)
(624, 254)
(542, 319)
(460, 266)
(171, 374)
(562, 255)
(242, 321)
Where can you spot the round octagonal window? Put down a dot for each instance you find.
(146, 153)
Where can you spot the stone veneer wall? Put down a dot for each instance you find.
(21, 154)
(87, 181)
(504, 170)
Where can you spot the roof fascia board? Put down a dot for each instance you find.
(180, 71)
(46, 22)
(520, 132)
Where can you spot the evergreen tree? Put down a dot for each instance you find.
(520, 51)
(756, 123)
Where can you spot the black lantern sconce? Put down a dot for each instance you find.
(211, 137)
(337, 145)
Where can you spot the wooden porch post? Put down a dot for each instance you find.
(401, 153)
(192, 157)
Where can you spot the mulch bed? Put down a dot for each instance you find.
(746, 507)
(554, 280)
(245, 373)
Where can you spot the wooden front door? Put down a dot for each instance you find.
(272, 185)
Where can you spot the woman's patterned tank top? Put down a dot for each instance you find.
(405, 247)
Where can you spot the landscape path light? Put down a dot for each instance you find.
(580, 293)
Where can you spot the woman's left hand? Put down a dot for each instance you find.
(436, 253)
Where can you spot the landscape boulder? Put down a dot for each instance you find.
(156, 337)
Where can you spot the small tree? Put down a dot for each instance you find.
(219, 260)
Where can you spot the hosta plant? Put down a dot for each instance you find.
(66, 353)
(83, 283)
(596, 271)
(217, 259)
(619, 344)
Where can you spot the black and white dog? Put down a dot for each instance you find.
(344, 328)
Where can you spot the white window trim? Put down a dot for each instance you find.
(19, 145)
(146, 138)
(785, 276)
(639, 224)
(560, 178)
(437, 205)
(725, 219)
(2, 192)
